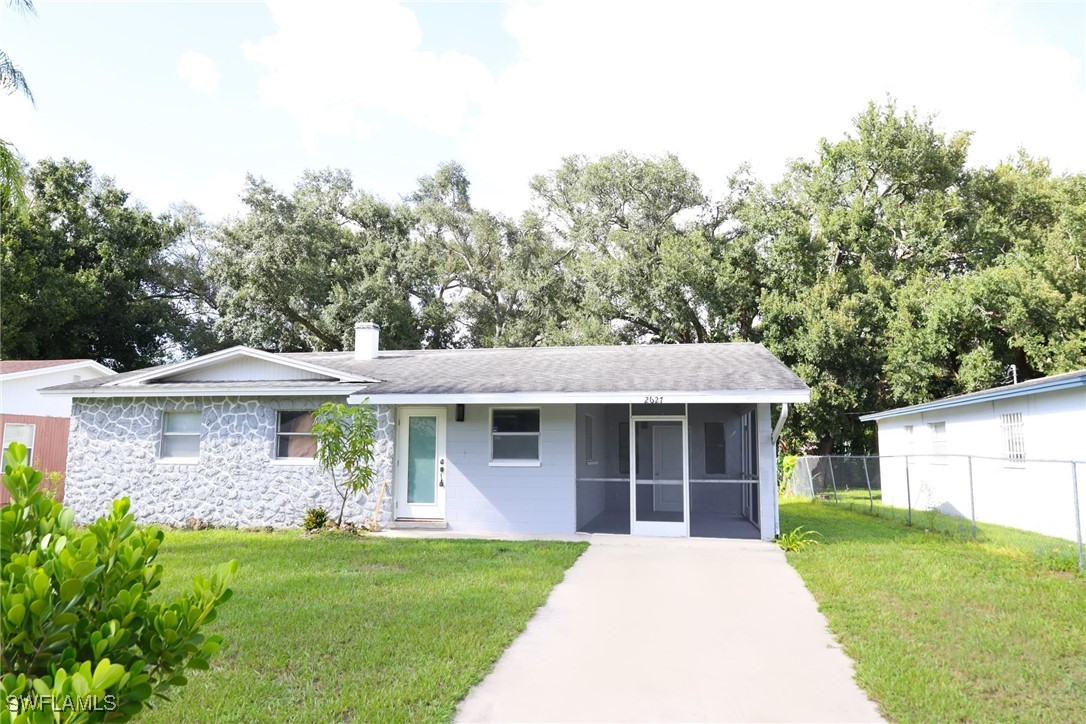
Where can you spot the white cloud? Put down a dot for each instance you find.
(331, 63)
(717, 83)
(20, 128)
(199, 70)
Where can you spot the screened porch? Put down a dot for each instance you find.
(694, 469)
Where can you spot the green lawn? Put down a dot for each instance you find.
(1054, 552)
(943, 628)
(356, 629)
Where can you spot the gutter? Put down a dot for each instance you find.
(780, 423)
(159, 391)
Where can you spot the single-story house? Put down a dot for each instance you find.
(646, 439)
(41, 421)
(1016, 441)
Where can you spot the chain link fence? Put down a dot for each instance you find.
(968, 495)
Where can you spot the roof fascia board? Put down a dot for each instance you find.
(70, 367)
(989, 396)
(496, 398)
(343, 390)
(231, 353)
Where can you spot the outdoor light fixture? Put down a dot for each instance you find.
(459, 413)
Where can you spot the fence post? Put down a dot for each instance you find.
(833, 479)
(870, 495)
(1078, 517)
(908, 491)
(972, 503)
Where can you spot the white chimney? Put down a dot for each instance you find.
(366, 335)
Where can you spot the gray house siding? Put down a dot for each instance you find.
(113, 452)
(481, 497)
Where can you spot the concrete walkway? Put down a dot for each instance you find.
(649, 629)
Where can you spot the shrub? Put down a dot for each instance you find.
(798, 540)
(79, 634)
(346, 438)
(1059, 561)
(315, 518)
(786, 464)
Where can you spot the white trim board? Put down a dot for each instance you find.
(204, 391)
(70, 367)
(566, 398)
(167, 371)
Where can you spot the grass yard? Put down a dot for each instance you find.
(943, 628)
(355, 629)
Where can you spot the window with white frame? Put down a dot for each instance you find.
(294, 436)
(514, 435)
(1014, 436)
(910, 439)
(21, 433)
(937, 430)
(589, 440)
(180, 435)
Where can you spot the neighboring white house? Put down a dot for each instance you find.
(21, 380)
(1021, 437)
(643, 439)
(41, 421)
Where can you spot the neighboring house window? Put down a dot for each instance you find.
(180, 435)
(1014, 437)
(624, 448)
(21, 433)
(938, 441)
(294, 436)
(714, 448)
(589, 440)
(514, 435)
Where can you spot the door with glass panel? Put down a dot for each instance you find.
(660, 476)
(420, 463)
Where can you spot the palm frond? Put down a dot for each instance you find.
(26, 7)
(12, 79)
(12, 179)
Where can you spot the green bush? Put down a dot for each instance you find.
(315, 518)
(785, 464)
(346, 438)
(80, 638)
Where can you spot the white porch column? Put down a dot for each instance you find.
(767, 474)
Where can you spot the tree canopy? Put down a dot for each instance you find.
(885, 270)
(84, 274)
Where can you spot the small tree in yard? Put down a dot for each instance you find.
(80, 638)
(346, 436)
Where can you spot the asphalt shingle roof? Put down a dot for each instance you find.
(621, 368)
(1022, 388)
(9, 366)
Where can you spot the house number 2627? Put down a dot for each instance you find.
(653, 400)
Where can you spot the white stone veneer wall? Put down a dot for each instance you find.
(113, 452)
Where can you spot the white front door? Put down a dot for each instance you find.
(420, 463)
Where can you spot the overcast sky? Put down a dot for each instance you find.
(177, 101)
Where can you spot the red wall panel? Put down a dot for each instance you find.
(50, 449)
